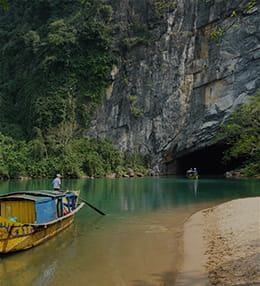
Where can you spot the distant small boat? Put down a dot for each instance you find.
(29, 218)
(192, 174)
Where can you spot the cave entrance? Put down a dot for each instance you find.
(208, 161)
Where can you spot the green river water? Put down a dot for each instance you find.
(138, 242)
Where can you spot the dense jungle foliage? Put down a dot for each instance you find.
(84, 156)
(242, 134)
(56, 57)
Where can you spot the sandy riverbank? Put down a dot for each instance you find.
(222, 246)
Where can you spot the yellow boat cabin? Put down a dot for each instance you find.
(29, 218)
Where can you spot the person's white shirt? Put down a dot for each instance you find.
(56, 182)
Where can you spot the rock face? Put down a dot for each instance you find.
(168, 97)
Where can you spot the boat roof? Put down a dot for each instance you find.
(35, 195)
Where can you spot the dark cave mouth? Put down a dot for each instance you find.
(208, 161)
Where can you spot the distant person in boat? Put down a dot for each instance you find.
(189, 172)
(57, 183)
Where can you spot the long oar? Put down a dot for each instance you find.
(94, 208)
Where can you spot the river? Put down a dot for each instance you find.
(138, 242)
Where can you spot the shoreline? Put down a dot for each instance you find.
(221, 245)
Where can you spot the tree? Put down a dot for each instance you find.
(242, 135)
(4, 3)
(55, 64)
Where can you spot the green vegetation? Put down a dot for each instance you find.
(235, 14)
(161, 7)
(56, 58)
(137, 34)
(80, 157)
(4, 3)
(55, 62)
(242, 135)
(137, 112)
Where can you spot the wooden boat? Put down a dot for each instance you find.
(192, 175)
(29, 218)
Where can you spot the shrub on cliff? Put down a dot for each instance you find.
(242, 134)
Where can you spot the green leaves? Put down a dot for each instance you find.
(4, 3)
(233, 14)
(137, 112)
(32, 41)
(162, 6)
(54, 52)
(61, 33)
(242, 133)
(45, 156)
(250, 5)
(236, 15)
(217, 33)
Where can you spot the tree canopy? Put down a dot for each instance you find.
(242, 134)
(56, 58)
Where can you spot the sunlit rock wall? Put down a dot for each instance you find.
(169, 97)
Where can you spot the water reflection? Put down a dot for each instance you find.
(193, 187)
(150, 194)
(137, 243)
(38, 265)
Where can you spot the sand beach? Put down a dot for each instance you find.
(222, 245)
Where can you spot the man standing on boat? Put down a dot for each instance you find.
(57, 183)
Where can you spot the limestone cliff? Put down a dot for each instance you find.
(168, 97)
